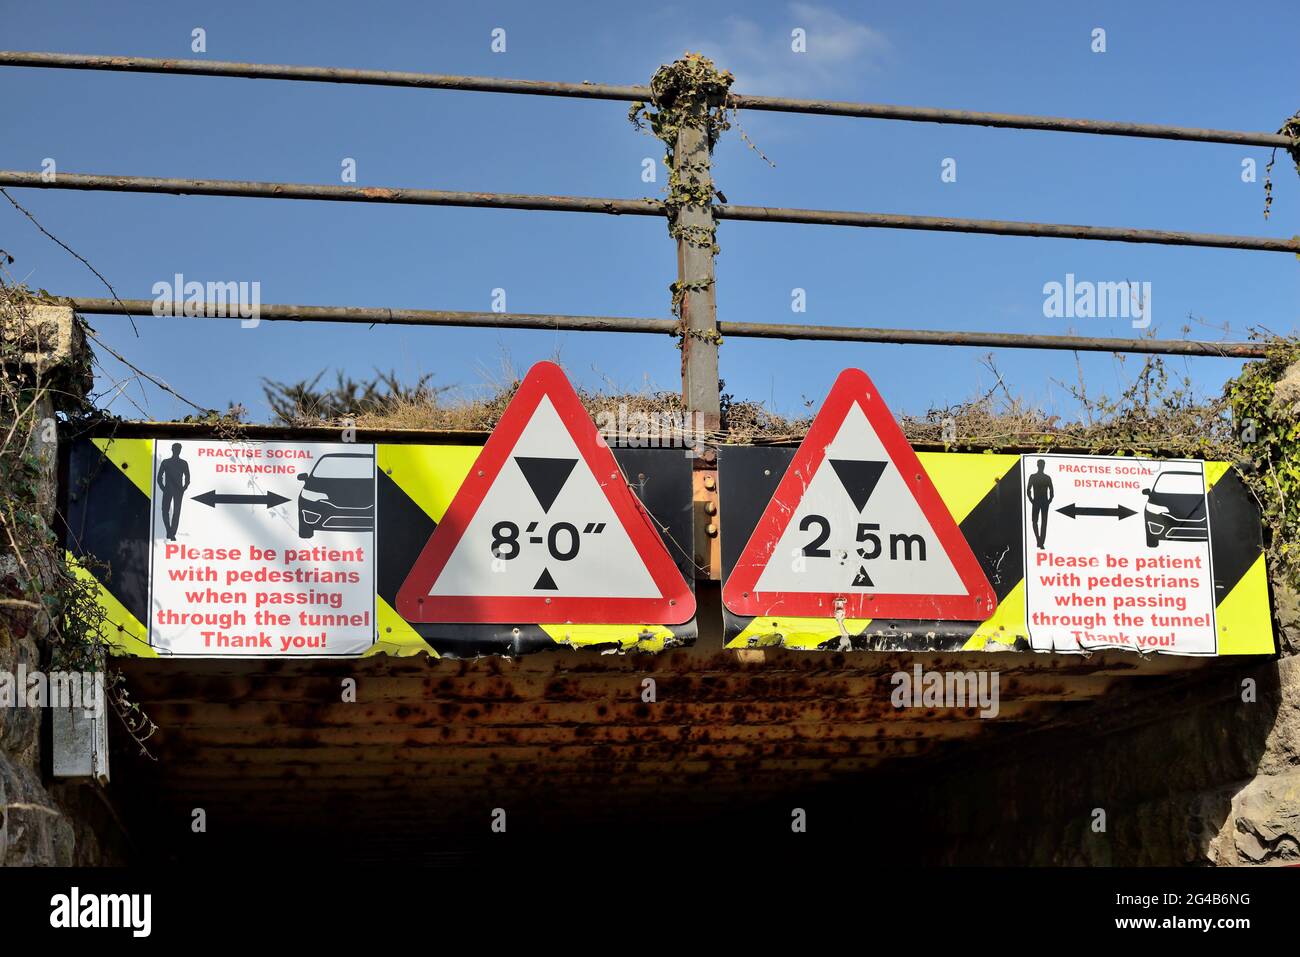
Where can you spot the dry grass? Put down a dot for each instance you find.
(1152, 415)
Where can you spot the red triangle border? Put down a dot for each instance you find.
(853, 386)
(416, 605)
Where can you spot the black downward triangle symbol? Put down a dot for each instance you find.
(545, 477)
(546, 582)
(858, 478)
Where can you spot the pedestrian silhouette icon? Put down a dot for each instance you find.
(1040, 493)
(173, 480)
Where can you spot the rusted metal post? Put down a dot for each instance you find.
(696, 290)
(688, 97)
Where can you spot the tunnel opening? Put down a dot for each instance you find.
(1114, 759)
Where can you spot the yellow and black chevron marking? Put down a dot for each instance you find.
(984, 494)
(110, 493)
(107, 503)
(416, 486)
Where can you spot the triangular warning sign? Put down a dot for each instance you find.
(856, 525)
(545, 529)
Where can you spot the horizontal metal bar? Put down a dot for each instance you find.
(953, 224)
(396, 317)
(1013, 121)
(345, 194)
(1004, 340)
(633, 207)
(741, 330)
(322, 74)
(602, 91)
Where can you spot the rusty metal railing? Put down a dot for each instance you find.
(740, 330)
(633, 207)
(604, 91)
(696, 324)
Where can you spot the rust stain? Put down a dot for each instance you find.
(272, 742)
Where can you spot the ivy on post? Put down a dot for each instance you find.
(1290, 129)
(688, 112)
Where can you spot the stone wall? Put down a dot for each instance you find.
(41, 823)
(33, 830)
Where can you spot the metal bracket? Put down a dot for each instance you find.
(708, 548)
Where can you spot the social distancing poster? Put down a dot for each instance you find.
(262, 548)
(1117, 554)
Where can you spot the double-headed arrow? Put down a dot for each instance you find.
(1118, 512)
(213, 499)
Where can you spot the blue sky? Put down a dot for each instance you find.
(1188, 63)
